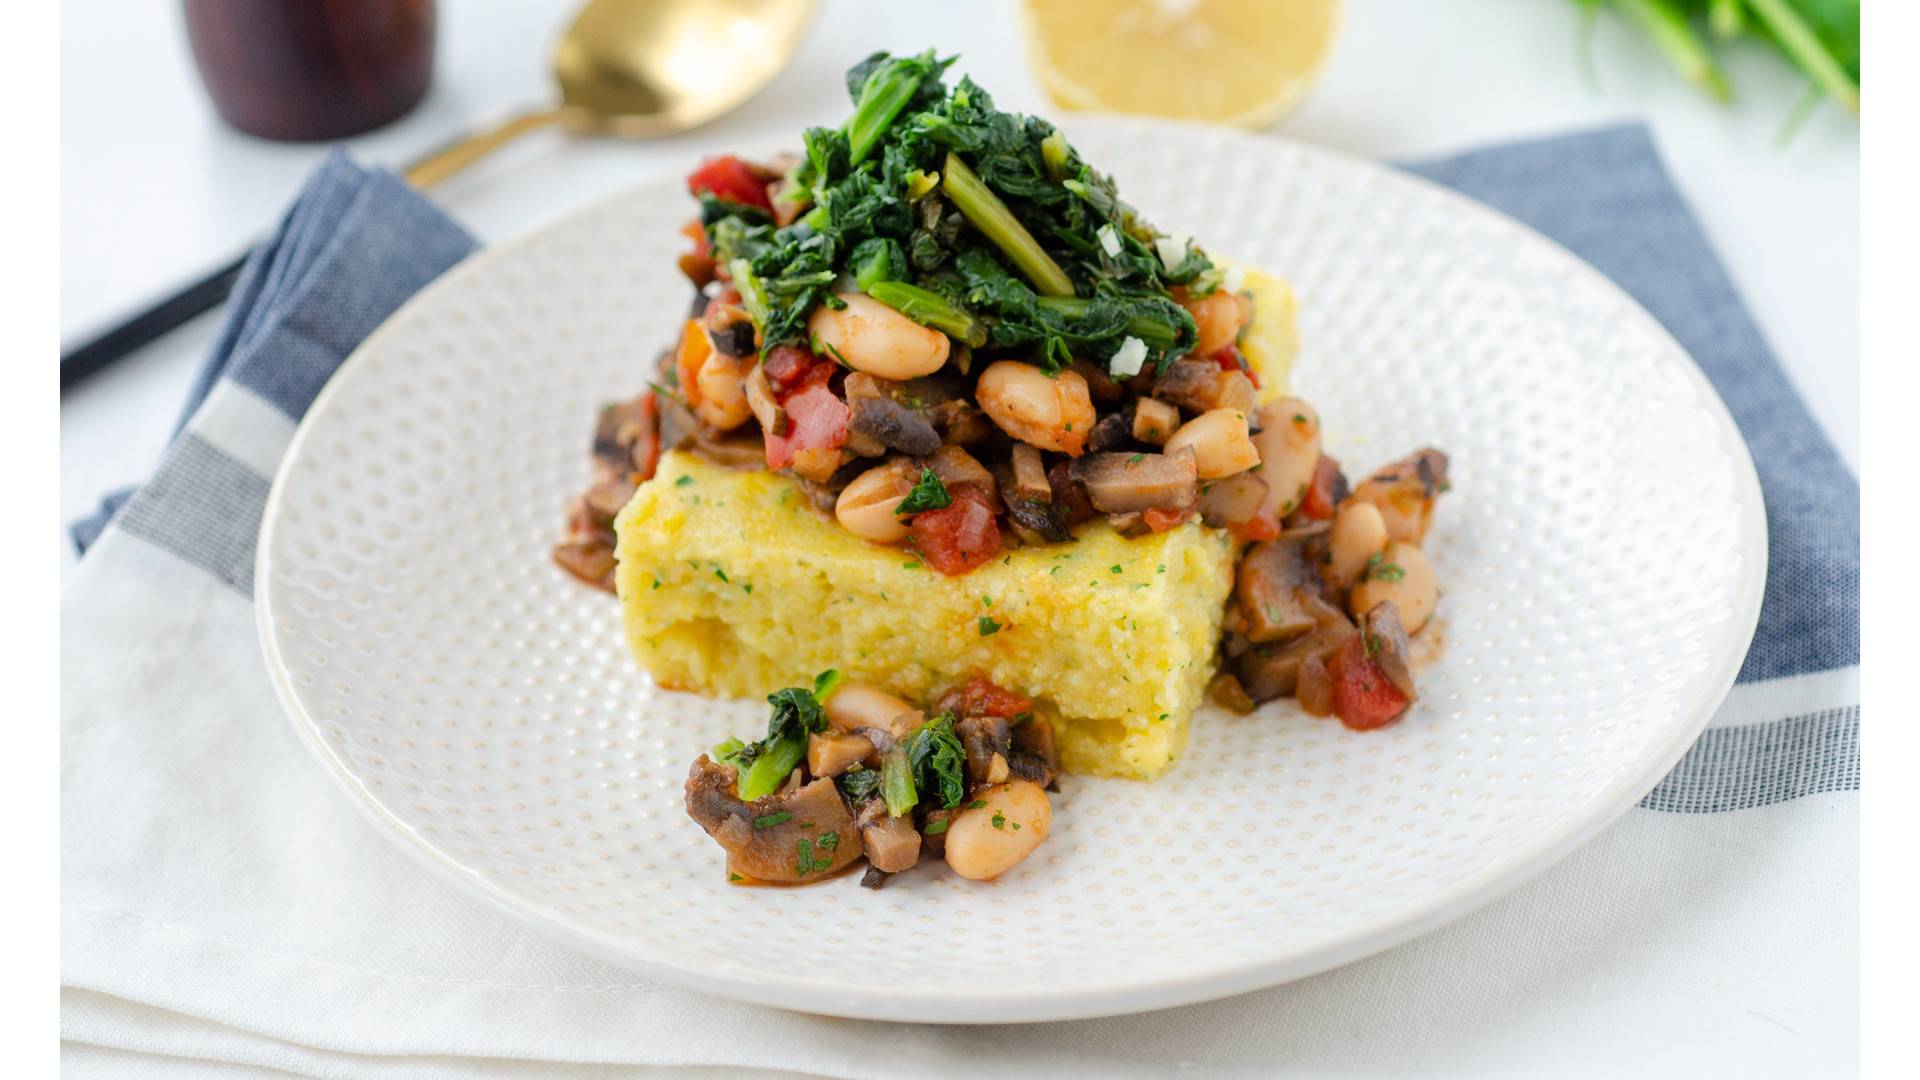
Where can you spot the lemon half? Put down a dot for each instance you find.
(1239, 62)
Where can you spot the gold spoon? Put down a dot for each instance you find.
(633, 68)
(644, 69)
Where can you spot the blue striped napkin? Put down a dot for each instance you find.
(160, 938)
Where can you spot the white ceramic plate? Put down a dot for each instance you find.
(1602, 556)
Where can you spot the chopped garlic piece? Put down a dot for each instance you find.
(1127, 358)
(1233, 279)
(1172, 249)
(1109, 240)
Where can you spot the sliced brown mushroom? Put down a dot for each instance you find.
(830, 753)
(1030, 474)
(794, 836)
(1124, 483)
(1387, 644)
(984, 738)
(1278, 590)
(1100, 385)
(1273, 671)
(953, 465)
(1232, 500)
(1190, 383)
(892, 844)
(589, 560)
(877, 415)
(1113, 431)
(1069, 495)
(1037, 522)
(621, 427)
(1035, 757)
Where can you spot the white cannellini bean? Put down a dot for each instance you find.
(855, 706)
(1289, 445)
(874, 338)
(1220, 443)
(723, 390)
(1359, 533)
(1218, 317)
(866, 505)
(1051, 412)
(986, 841)
(1404, 576)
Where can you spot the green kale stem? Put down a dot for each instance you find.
(896, 782)
(887, 91)
(1150, 331)
(768, 771)
(929, 308)
(987, 213)
(1667, 26)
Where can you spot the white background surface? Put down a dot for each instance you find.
(156, 189)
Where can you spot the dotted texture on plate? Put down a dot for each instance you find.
(1597, 560)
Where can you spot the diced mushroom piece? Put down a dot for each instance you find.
(1100, 385)
(1314, 686)
(731, 330)
(764, 838)
(955, 466)
(1387, 644)
(1404, 491)
(1114, 431)
(1154, 422)
(766, 407)
(739, 449)
(878, 416)
(1233, 500)
(1191, 384)
(1278, 590)
(1037, 522)
(589, 560)
(1030, 474)
(984, 738)
(1035, 757)
(1273, 671)
(830, 753)
(892, 843)
(1125, 483)
(960, 423)
(1225, 691)
(1069, 495)
(1130, 524)
(618, 437)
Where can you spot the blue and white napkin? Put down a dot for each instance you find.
(226, 911)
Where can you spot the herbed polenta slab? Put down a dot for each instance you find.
(730, 585)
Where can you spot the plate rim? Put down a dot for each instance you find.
(1394, 928)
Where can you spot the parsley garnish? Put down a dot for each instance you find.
(928, 494)
(829, 841)
(935, 828)
(999, 821)
(721, 574)
(1115, 568)
(1136, 459)
(768, 821)
(683, 481)
(731, 876)
(1378, 569)
(977, 804)
(988, 626)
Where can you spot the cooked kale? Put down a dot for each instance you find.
(765, 764)
(984, 224)
(938, 760)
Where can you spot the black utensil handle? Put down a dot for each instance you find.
(90, 357)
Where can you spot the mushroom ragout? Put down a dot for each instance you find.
(950, 332)
(847, 772)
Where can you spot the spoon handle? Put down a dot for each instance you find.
(439, 164)
(163, 316)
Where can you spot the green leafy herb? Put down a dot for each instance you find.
(828, 841)
(768, 821)
(999, 821)
(683, 481)
(928, 494)
(860, 784)
(935, 828)
(939, 761)
(977, 804)
(766, 764)
(1378, 569)
(988, 626)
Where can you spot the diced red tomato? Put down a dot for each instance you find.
(692, 354)
(646, 449)
(1322, 494)
(788, 368)
(816, 420)
(1229, 359)
(1363, 699)
(980, 697)
(729, 178)
(1161, 520)
(1257, 527)
(960, 537)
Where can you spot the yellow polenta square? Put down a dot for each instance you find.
(731, 586)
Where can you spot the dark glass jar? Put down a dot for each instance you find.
(312, 69)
